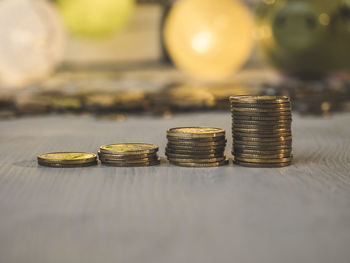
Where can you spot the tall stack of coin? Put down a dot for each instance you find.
(67, 159)
(261, 130)
(129, 154)
(196, 147)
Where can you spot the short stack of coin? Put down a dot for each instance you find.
(129, 155)
(196, 147)
(261, 130)
(67, 159)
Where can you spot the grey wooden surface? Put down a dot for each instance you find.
(170, 214)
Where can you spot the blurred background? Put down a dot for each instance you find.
(112, 58)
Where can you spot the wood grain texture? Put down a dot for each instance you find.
(170, 214)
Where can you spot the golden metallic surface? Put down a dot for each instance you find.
(140, 164)
(126, 157)
(195, 132)
(268, 123)
(262, 110)
(194, 151)
(262, 165)
(67, 157)
(259, 99)
(262, 118)
(197, 144)
(264, 156)
(265, 161)
(193, 156)
(262, 136)
(129, 148)
(209, 39)
(197, 161)
(196, 140)
(263, 140)
(200, 165)
(60, 165)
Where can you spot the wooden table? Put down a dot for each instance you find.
(169, 214)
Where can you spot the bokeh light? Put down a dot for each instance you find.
(95, 18)
(31, 41)
(209, 39)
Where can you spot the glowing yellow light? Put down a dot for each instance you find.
(95, 18)
(209, 39)
(324, 19)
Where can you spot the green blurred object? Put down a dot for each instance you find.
(307, 38)
(95, 18)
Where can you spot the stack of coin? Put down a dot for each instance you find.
(196, 147)
(129, 155)
(67, 159)
(261, 130)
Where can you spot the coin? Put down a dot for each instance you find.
(255, 160)
(60, 165)
(195, 132)
(200, 165)
(188, 139)
(261, 152)
(149, 159)
(141, 164)
(210, 160)
(197, 144)
(129, 148)
(263, 140)
(263, 156)
(269, 123)
(277, 106)
(262, 135)
(193, 156)
(240, 114)
(195, 151)
(262, 118)
(259, 99)
(67, 158)
(262, 165)
(128, 156)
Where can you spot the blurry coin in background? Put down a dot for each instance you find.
(32, 41)
(95, 18)
(209, 39)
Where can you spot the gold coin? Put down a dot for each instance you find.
(193, 156)
(185, 160)
(262, 111)
(151, 159)
(200, 165)
(263, 128)
(143, 164)
(128, 156)
(197, 144)
(129, 148)
(67, 157)
(259, 99)
(62, 165)
(195, 148)
(195, 132)
(268, 123)
(262, 147)
(255, 160)
(264, 140)
(262, 165)
(263, 156)
(188, 139)
(261, 118)
(238, 143)
(269, 106)
(261, 152)
(193, 151)
(261, 131)
(239, 114)
(262, 136)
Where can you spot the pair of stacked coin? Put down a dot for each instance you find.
(261, 129)
(129, 154)
(67, 159)
(196, 147)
